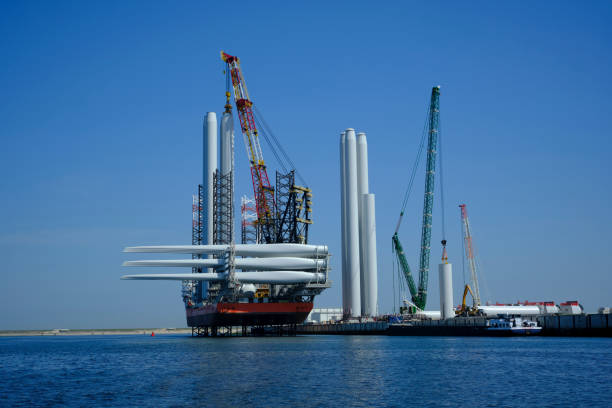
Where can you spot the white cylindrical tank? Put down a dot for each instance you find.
(445, 277)
(345, 293)
(370, 285)
(509, 310)
(362, 188)
(226, 156)
(210, 166)
(248, 289)
(549, 309)
(429, 314)
(352, 219)
(571, 308)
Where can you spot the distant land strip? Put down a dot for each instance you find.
(93, 332)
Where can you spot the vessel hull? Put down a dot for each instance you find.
(248, 314)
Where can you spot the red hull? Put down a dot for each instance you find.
(248, 314)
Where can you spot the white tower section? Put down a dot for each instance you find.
(445, 272)
(346, 298)
(370, 285)
(362, 188)
(226, 167)
(210, 165)
(227, 144)
(352, 230)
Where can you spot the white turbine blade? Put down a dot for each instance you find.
(178, 276)
(179, 249)
(290, 263)
(254, 250)
(273, 277)
(189, 263)
(280, 277)
(262, 264)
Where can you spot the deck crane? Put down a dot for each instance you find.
(470, 254)
(419, 295)
(264, 192)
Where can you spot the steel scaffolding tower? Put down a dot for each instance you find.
(293, 210)
(249, 231)
(285, 207)
(303, 212)
(223, 212)
(192, 291)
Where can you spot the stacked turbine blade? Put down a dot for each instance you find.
(273, 263)
(261, 264)
(254, 250)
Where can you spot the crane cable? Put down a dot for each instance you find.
(415, 167)
(462, 251)
(441, 183)
(227, 79)
(275, 144)
(393, 275)
(270, 144)
(265, 130)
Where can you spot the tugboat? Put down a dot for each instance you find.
(512, 326)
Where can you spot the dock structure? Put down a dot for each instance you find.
(589, 325)
(458, 326)
(344, 328)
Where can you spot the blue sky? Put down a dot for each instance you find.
(101, 117)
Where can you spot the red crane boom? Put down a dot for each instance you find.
(264, 192)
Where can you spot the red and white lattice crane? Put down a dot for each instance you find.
(264, 192)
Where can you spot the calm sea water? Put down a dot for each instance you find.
(305, 371)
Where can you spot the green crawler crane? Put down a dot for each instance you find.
(419, 295)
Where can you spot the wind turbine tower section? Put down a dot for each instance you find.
(358, 228)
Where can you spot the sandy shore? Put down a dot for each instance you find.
(93, 332)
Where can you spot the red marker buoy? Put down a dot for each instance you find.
(152, 334)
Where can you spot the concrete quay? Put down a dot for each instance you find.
(590, 325)
(344, 328)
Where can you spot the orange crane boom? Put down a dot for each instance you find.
(470, 253)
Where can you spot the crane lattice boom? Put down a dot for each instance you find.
(264, 192)
(470, 253)
(419, 295)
